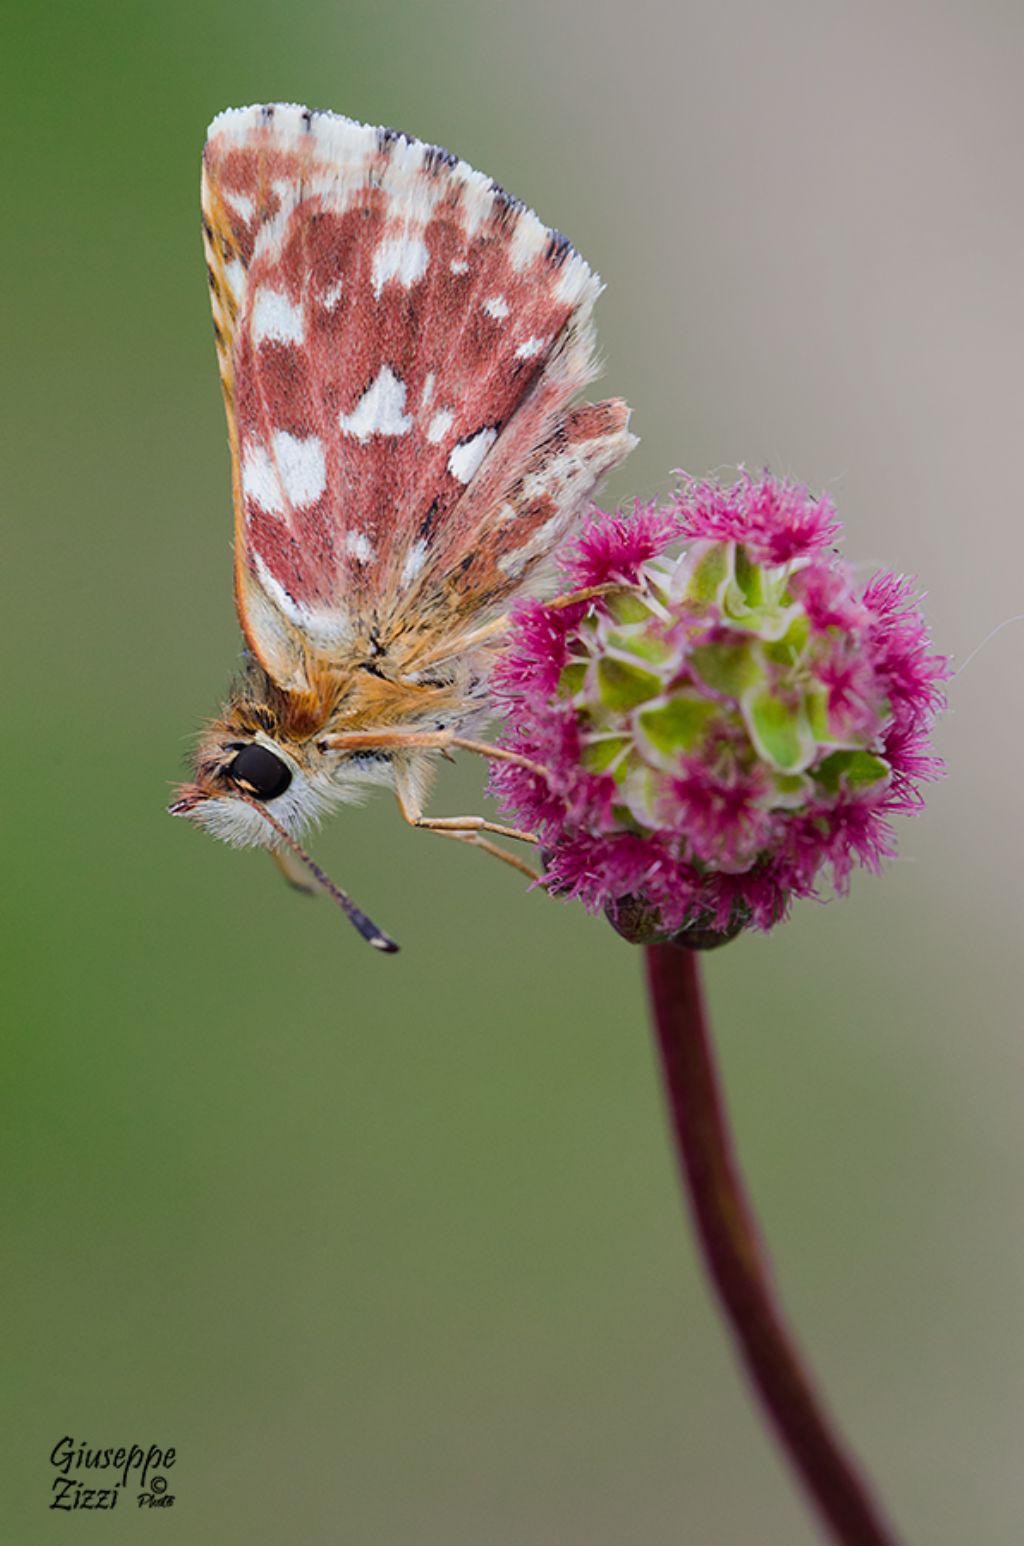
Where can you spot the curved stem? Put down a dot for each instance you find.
(735, 1259)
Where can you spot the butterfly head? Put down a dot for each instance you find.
(263, 756)
(258, 757)
(255, 789)
(238, 773)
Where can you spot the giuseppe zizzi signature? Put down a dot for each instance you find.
(95, 1478)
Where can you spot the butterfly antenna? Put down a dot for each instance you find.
(356, 917)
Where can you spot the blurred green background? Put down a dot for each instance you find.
(392, 1250)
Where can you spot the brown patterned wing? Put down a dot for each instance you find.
(398, 340)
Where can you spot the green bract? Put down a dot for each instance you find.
(652, 685)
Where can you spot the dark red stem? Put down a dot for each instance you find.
(736, 1261)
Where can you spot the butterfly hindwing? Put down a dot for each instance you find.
(398, 341)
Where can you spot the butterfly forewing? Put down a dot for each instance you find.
(398, 341)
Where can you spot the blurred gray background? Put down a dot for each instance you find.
(392, 1250)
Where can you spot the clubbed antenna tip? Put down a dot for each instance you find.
(357, 918)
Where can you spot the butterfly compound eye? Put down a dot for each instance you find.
(260, 773)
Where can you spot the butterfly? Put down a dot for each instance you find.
(400, 342)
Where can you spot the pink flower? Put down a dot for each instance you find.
(774, 519)
(615, 547)
(720, 724)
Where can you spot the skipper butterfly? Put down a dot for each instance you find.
(399, 342)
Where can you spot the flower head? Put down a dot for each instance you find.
(720, 723)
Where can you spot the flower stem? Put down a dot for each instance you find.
(735, 1259)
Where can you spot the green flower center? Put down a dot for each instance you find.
(712, 657)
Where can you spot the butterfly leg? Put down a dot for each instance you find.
(427, 740)
(464, 643)
(468, 829)
(297, 876)
(500, 625)
(476, 841)
(589, 593)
